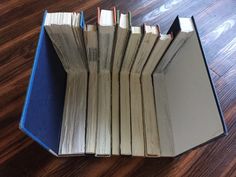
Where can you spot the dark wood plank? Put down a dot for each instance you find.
(19, 28)
(218, 34)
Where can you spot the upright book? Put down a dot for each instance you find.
(106, 31)
(65, 31)
(91, 43)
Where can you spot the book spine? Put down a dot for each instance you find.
(91, 43)
(150, 118)
(106, 38)
(115, 114)
(125, 120)
(138, 145)
(103, 143)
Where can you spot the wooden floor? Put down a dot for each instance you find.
(19, 29)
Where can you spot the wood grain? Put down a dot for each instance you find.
(19, 28)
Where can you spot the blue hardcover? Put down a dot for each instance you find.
(42, 113)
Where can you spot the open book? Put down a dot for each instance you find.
(117, 89)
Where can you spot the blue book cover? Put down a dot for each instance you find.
(42, 113)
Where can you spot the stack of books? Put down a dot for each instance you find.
(131, 90)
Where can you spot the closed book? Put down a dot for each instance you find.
(91, 44)
(106, 31)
